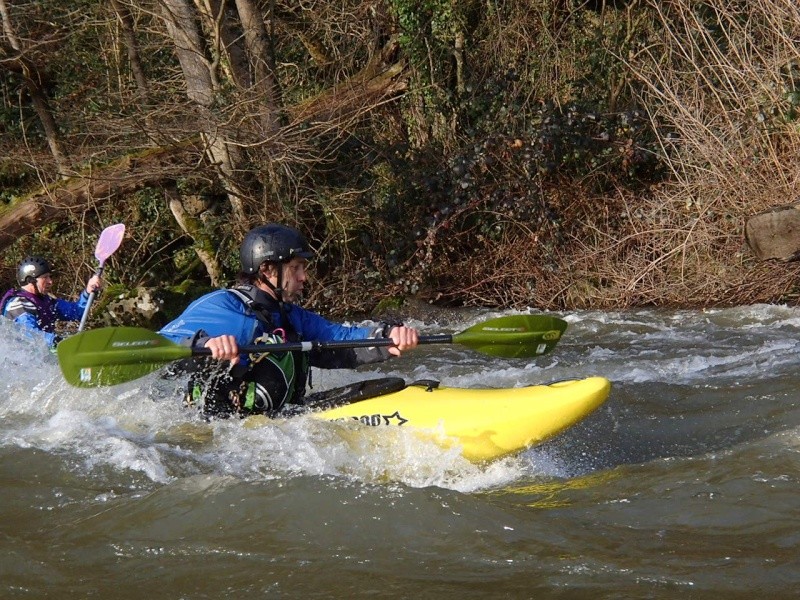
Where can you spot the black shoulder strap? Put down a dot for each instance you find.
(263, 306)
(248, 296)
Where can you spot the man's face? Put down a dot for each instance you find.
(44, 283)
(294, 277)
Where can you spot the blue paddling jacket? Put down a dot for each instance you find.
(41, 313)
(254, 317)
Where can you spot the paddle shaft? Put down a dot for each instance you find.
(327, 345)
(85, 315)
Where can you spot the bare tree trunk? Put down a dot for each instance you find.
(182, 22)
(113, 181)
(128, 35)
(17, 62)
(228, 40)
(194, 228)
(260, 53)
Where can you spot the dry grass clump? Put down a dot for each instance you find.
(724, 77)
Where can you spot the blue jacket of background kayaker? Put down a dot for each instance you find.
(41, 313)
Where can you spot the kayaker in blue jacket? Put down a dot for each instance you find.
(262, 309)
(32, 305)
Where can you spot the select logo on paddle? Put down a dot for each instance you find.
(378, 420)
(135, 343)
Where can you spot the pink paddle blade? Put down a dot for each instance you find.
(109, 241)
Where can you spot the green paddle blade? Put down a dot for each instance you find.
(114, 355)
(515, 336)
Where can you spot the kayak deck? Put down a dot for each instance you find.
(486, 423)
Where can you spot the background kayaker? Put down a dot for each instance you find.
(32, 305)
(262, 309)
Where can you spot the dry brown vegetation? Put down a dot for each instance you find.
(728, 96)
(557, 155)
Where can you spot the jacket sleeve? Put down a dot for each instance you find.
(315, 327)
(348, 358)
(71, 311)
(212, 315)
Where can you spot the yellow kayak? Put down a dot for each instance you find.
(486, 423)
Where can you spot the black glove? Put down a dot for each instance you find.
(387, 326)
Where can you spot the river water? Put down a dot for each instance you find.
(685, 484)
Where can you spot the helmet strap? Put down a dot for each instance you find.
(277, 290)
(32, 280)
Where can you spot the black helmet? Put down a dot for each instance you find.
(273, 242)
(32, 267)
